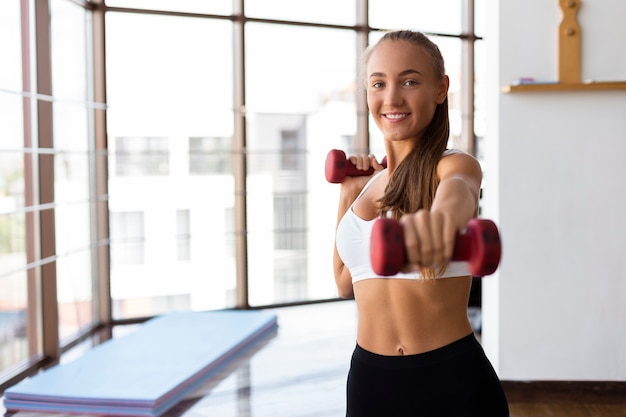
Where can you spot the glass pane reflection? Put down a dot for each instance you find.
(10, 47)
(71, 137)
(300, 107)
(170, 126)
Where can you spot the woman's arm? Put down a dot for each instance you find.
(350, 189)
(430, 234)
(343, 279)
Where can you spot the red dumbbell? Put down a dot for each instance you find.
(338, 167)
(479, 245)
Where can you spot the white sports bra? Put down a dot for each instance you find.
(353, 245)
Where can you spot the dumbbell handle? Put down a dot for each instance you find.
(338, 167)
(479, 245)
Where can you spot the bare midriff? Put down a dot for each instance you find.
(406, 317)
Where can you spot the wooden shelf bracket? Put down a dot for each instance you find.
(569, 43)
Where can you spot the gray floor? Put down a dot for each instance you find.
(298, 372)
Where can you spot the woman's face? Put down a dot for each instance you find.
(402, 90)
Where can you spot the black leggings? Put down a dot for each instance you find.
(456, 380)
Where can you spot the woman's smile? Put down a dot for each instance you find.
(395, 117)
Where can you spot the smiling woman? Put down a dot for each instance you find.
(416, 353)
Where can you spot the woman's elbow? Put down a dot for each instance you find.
(345, 290)
(345, 293)
(343, 278)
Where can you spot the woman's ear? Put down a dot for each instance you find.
(442, 89)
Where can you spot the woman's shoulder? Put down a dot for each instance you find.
(456, 160)
(453, 151)
(459, 155)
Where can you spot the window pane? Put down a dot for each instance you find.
(71, 124)
(72, 138)
(74, 291)
(302, 106)
(73, 229)
(343, 11)
(128, 236)
(480, 21)
(320, 70)
(441, 16)
(14, 308)
(170, 123)
(480, 97)
(68, 45)
(10, 47)
(451, 49)
(290, 220)
(183, 236)
(71, 178)
(12, 241)
(11, 122)
(137, 156)
(11, 181)
(210, 155)
(13, 319)
(223, 7)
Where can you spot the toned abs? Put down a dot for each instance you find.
(405, 317)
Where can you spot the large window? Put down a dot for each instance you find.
(180, 166)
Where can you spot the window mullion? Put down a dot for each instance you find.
(467, 78)
(240, 159)
(50, 319)
(100, 160)
(362, 129)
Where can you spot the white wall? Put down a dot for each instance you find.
(555, 184)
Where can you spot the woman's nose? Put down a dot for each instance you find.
(393, 95)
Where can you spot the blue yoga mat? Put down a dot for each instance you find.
(147, 372)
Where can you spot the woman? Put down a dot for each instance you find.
(416, 353)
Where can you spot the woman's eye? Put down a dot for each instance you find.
(410, 83)
(377, 84)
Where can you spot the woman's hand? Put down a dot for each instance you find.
(364, 162)
(429, 238)
(354, 185)
(430, 235)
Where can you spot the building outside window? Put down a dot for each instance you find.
(128, 238)
(138, 156)
(183, 236)
(210, 155)
(289, 147)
